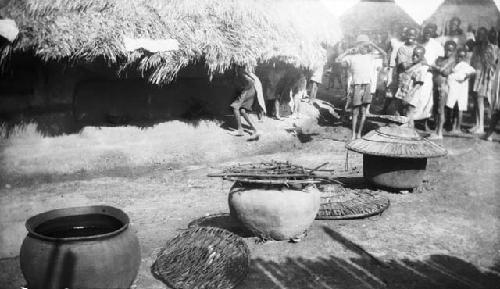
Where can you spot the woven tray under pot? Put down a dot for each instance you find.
(339, 203)
(203, 258)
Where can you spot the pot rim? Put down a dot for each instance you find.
(33, 222)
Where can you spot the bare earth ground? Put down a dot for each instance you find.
(444, 236)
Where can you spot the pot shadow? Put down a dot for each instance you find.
(355, 183)
(359, 183)
(368, 271)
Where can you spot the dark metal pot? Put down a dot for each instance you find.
(394, 173)
(82, 247)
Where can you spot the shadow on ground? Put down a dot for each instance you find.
(364, 271)
(436, 271)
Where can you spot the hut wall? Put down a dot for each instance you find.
(63, 99)
(29, 86)
(121, 101)
(17, 86)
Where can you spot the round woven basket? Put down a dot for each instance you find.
(203, 258)
(339, 203)
(223, 221)
(397, 142)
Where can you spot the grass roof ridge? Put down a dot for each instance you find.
(222, 33)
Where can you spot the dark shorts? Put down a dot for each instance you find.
(360, 94)
(245, 100)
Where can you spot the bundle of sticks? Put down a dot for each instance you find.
(272, 172)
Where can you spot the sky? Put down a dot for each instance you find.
(419, 10)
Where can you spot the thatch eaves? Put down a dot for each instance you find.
(219, 32)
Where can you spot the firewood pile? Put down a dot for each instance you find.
(272, 172)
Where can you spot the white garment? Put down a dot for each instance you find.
(318, 75)
(377, 66)
(395, 45)
(424, 99)
(258, 90)
(361, 67)
(458, 86)
(433, 50)
(8, 29)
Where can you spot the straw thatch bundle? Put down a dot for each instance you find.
(396, 142)
(220, 33)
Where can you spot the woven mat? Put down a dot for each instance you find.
(339, 203)
(203, 258)
(223, 221)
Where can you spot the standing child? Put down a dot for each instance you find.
(404, 60)
(483, 59)
(458, 87)
(495, 103)
(442, 68)
(360, 64)
(416, 99)
(297, 93)
(242, 105)
(392, 79)
(315, 82)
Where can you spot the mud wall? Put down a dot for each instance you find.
(93, 94)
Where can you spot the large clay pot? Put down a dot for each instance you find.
(274, 212)
(394, 173)
(82, 247)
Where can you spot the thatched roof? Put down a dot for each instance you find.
(220, 33)
(469, 2)
(471, 12)
(374, 15)
(396, 142)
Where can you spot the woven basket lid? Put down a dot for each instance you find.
(340, 203)
(203, 258)
(396, 141)
(224, 221)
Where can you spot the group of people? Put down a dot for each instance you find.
(429, 76)
(283, 84)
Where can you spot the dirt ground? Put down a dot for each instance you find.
(446, 235)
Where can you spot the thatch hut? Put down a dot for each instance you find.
(375, 18)
(86, 39)
(475, 13)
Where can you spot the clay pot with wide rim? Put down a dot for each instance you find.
(81, 247)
